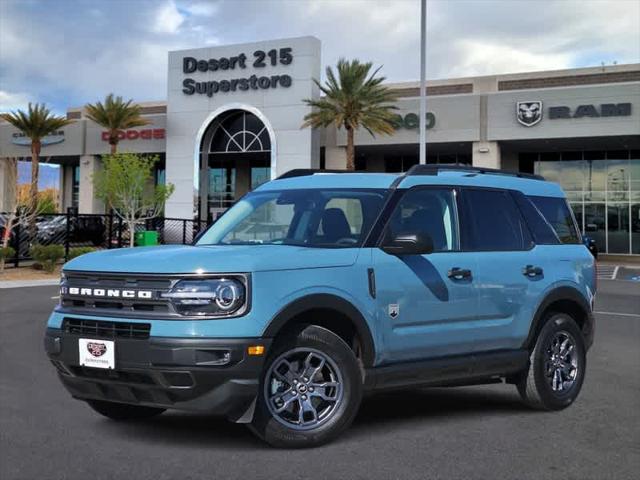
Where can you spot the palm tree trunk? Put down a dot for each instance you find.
(351, 162)
(114, 148)
(33, 190)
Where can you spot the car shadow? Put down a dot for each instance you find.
(433, 405)
(409, 406)
(187, 429)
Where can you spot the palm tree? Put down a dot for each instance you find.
(36, 123)
(115, 114)
(355, 99)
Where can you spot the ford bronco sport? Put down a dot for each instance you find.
(320, 286)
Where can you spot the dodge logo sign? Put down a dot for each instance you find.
(96, 349)
(529, 113)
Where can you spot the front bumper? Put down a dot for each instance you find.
(213, 376)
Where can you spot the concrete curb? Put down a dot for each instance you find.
(28, 283)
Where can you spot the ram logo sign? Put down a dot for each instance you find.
(529, 113)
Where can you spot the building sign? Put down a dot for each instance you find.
(146, 134)
(530, 113)
(592, 111)
(411, 121)
(259, 59)
(19, 138)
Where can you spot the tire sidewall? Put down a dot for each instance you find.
(277, 434)
(556, 323)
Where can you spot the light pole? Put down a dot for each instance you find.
(423, 82)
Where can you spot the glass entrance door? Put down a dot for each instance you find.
(222, 189)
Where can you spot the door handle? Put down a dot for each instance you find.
(459, 273)
(531, 271)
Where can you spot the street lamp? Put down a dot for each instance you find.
(423, 82)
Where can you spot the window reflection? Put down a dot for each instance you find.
(603, 188)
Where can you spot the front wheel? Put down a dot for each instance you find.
(123, 411)
(311, 390)
(557, 365)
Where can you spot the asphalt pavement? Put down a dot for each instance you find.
(458, 433)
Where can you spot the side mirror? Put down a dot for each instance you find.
(418, 243)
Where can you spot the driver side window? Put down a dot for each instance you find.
(430, 211)
(342, 218)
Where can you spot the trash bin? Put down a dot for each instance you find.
(146, 238)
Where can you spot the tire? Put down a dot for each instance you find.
(554, 379)
(123, 411)
(330, 395)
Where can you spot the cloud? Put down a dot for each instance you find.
(201, 9)
(167, 19)
(481, 58)
(67, 53)
(12, 101)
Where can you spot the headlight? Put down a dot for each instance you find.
(208, 297)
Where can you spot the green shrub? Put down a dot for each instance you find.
(47, 256)
(77, 251)
(6, 252)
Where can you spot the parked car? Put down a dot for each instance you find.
(590, 243)
(442, 276)
(22, 232)
(82, 229)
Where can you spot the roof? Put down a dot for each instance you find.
(445, 175)
(330, 180)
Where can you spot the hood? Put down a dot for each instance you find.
(211, 259)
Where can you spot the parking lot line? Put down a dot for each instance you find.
(620, 314)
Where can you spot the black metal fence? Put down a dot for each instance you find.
(73, 230)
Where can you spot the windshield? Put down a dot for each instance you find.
(308, 218)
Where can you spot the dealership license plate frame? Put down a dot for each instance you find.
(105, 360)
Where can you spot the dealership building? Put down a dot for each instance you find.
(233, 114)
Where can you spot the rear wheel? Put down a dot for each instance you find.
(311, 390)
(557, 365)
(123, 411)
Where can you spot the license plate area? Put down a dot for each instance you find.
(97, 353)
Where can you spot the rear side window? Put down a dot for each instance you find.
(492, 222)
(543, 233)
(558, 214)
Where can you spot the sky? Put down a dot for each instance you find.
(68, 53)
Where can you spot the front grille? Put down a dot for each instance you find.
(95, 328)
(155, 306)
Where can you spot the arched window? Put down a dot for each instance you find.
(240, 132)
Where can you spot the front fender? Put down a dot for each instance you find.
(310, 299)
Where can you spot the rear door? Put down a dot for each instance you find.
(509, 275)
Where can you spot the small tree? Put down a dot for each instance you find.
(115, 114)
(356, 98)
(126, 183)
(21, 210)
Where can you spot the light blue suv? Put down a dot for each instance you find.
(320, 286)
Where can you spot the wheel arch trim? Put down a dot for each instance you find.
(565, 293)
(326, 302)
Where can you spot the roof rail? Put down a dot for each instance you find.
(305, 172)
(434, 169)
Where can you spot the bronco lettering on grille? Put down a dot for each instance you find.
(101, 292)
